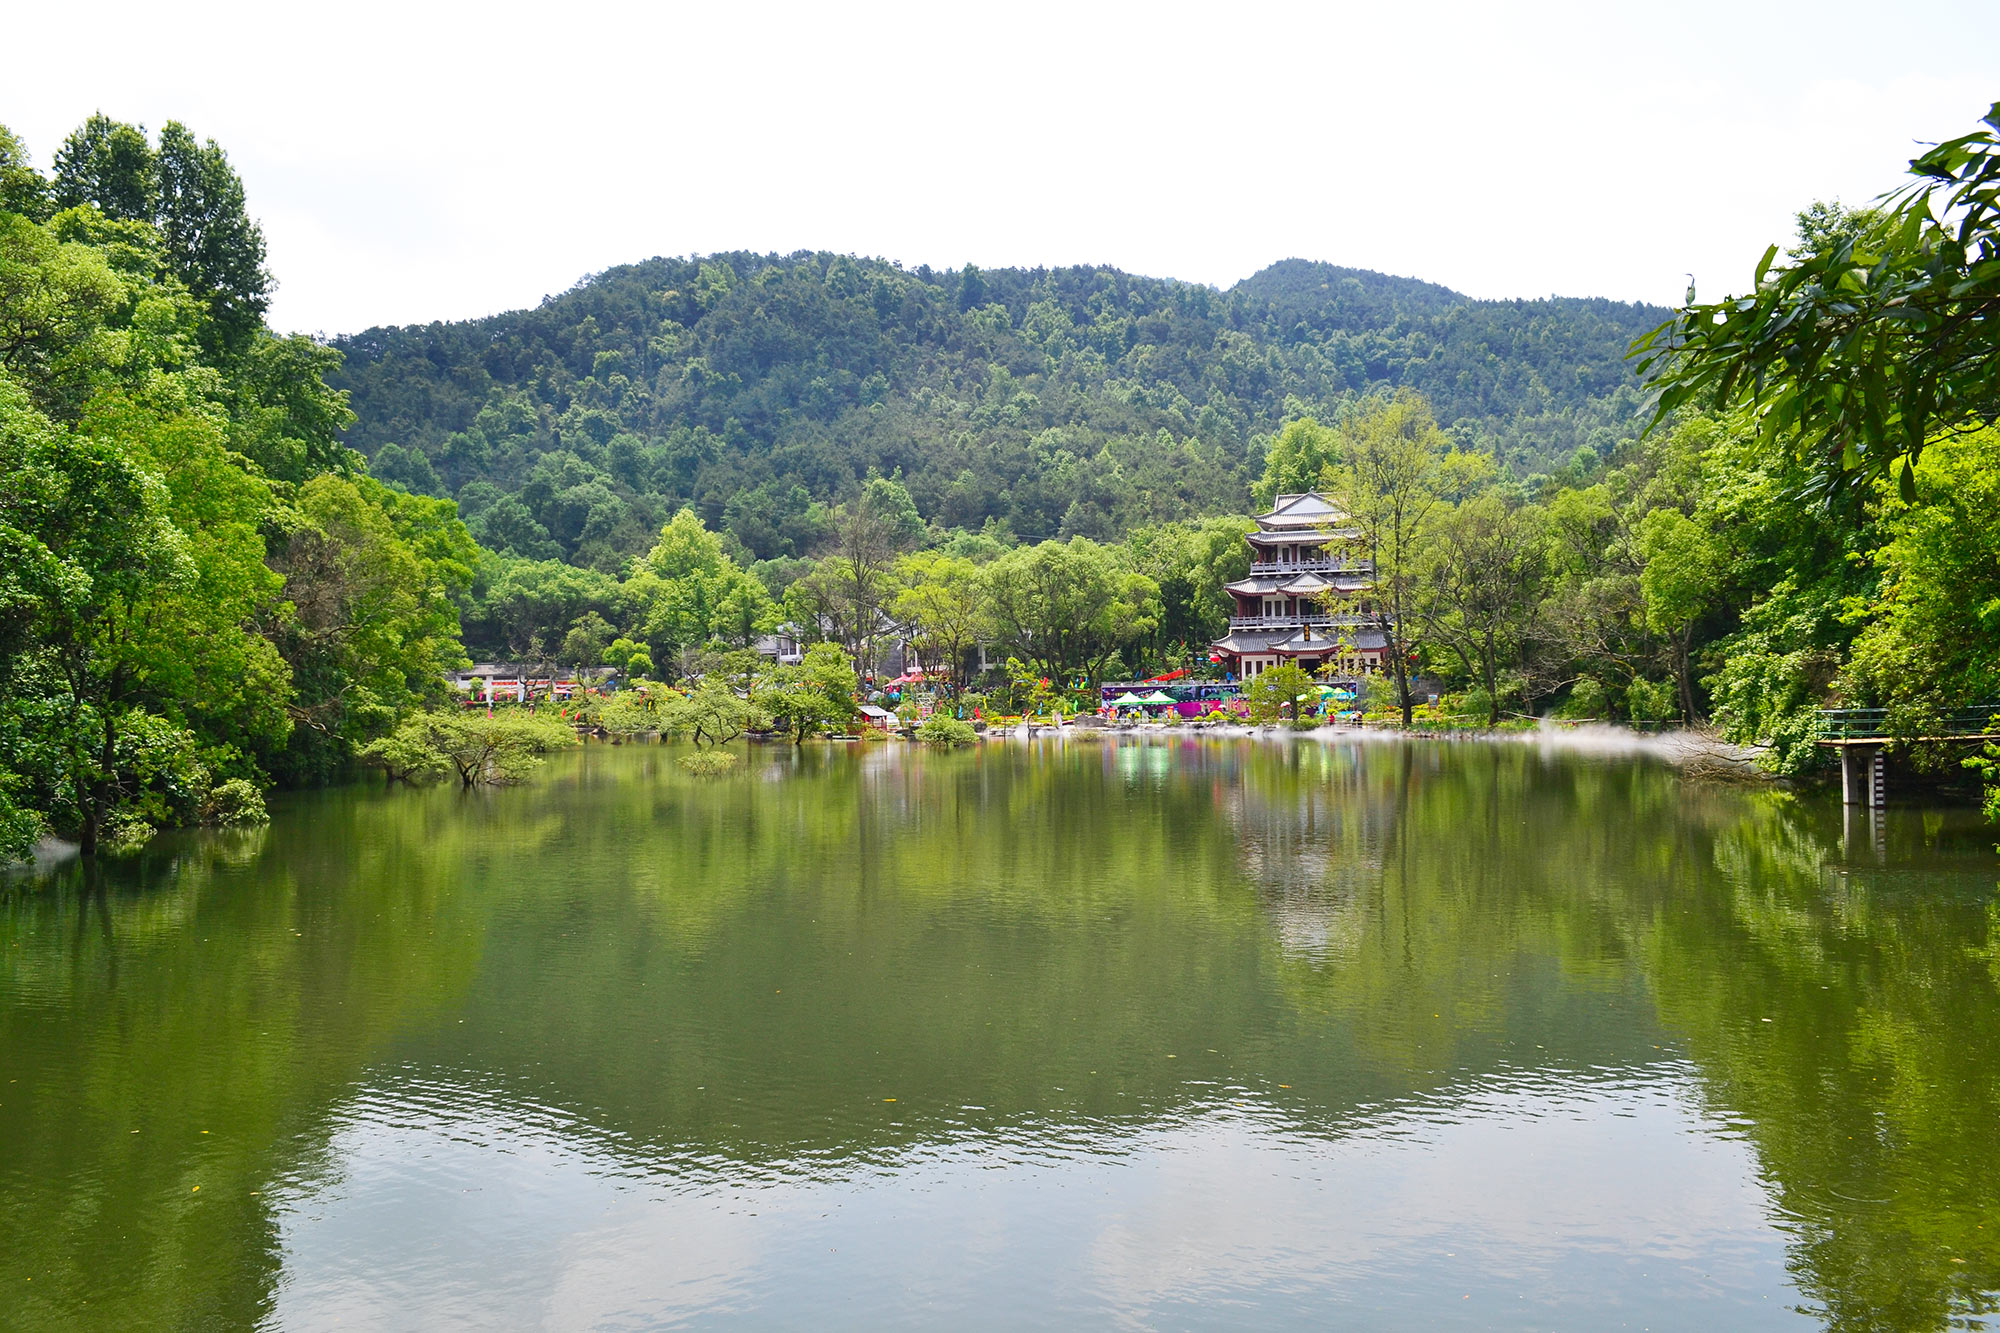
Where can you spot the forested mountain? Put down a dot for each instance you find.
(1035, 403)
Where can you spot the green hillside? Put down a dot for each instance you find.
(1039, 402)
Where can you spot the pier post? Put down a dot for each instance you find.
(1864, 778)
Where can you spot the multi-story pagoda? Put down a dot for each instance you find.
(1309, 596)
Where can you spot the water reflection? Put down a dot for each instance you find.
(1185, 1032)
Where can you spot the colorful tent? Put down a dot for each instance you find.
(1158, 697)
(1127, 700)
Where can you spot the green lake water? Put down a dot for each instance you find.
(1153, 1034)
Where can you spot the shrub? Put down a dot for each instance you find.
(1651, 700)
(708, 763)
(1586, 700)
(236, 801)
(945, 732)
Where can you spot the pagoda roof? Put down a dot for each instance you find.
(1307, 584)
(1250, 641)
(1305, 509)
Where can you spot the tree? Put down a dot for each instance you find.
(285, 418)
(869, 532)
(22, 189)
(691, 593)
(1684, 567)
(85, 532)
(1870, 342)
(1298, 458)
(478, 749)
(213, 245)
(109, 165)
(1192, 564)
(137, 553)
(941, 604)
(1070, 606)
(946, 732)
(1394, 462)
(369, 622)
(1929, 644)
(1481, 581)
(525, 602)
(712, 714)
(588, 638)
(61, 304)
(1279, 692)
(814, 696)
(628, 658)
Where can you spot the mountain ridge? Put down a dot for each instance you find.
(1036, 402)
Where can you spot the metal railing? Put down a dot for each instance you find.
(1868, 724)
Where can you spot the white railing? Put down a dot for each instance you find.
(1311, 567)
(1316, 619)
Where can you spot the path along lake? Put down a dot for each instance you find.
(1161, 1033)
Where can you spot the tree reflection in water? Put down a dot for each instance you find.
(730, 976)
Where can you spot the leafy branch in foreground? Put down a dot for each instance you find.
(1876, 338)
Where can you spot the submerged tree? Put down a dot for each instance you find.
(712, 714)
(478, 749)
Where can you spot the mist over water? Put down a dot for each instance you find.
(1184, 1032)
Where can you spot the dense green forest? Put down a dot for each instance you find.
(202, 590)
(234, 558)
(1032, 404)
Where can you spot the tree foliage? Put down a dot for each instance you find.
(1872, 339)
(1280, 692)
(475, 748)
(1070, 606)
(200, 590)
(765, 392)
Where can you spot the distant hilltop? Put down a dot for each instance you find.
(1047, 402)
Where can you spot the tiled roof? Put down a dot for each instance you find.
(1300, 536)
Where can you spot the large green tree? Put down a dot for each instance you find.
(1070, 607)
(690, 593)
(941, 604)
(1390, 480)
(1481, 583)
(369, 621)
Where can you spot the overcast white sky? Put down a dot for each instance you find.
(417, 161)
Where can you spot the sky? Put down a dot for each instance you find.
(412, 162)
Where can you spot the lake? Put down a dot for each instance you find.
(1161, 1033)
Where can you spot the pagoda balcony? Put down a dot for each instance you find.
(1296, 619)
(1323, 566)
